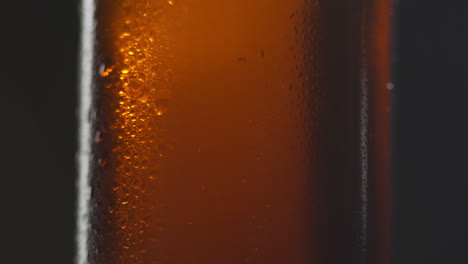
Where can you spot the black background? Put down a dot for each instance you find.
(38, 78)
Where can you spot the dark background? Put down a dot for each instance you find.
(38, 45)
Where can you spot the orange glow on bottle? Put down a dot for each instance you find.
(237, 132)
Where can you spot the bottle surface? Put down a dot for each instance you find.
(235, 132)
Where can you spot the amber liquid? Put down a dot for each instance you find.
(240, 131)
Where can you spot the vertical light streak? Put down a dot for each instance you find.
(364, 136)
(84, 152)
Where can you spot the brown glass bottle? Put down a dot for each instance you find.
(235, 131)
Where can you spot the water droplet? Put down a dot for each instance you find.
(161, 106)
(390, 86)
(102, 67)
(144, 96)
(103, 163)
(125, 34)
(105, 72)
